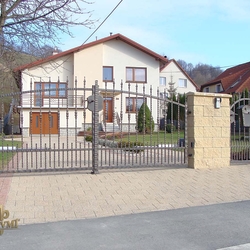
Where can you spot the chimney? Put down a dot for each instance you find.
(55, 51)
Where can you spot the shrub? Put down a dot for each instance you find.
(130, 146)
(145, 124)
(89, 138)
(169, 128)
(113, 136)
(89, 129)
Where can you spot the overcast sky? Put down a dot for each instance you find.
(215, 32)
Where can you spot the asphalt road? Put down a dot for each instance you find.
(195, 228)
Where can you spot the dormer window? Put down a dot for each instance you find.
(218, 88)
(182, 83)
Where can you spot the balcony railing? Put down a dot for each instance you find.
(71, 101)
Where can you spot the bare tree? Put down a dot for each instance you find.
(30, 29)
(36, 23)
(200, 73)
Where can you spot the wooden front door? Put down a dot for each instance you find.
(44, 123)
(108, 109)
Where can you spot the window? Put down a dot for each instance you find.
(206, 89)
(136, 75)
(182, 83)
(48, 90)
(108, 73)
(133, 104)
(163, 81)
(218, 88)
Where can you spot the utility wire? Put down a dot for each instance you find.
(92, 32)
(102, 22)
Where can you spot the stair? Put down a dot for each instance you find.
(110, 127)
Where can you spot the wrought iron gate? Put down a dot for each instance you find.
(55, 129)
(240, 124)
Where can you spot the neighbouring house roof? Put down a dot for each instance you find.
(233, 80)
(183, 71)
(120, 37)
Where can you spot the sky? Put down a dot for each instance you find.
(214, 32)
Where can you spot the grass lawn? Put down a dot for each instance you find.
(154, 139)
(5, 157)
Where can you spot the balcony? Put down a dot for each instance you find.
(71, 101)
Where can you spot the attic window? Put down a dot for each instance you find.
(182, 83)
(218, 88)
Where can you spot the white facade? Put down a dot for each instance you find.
(174, 74)
(86, 63)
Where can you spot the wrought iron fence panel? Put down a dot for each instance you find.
(117, 125)
(240, 123)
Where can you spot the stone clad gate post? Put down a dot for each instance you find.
(208, 130)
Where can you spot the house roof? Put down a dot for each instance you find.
(183, 71)
(233, 80)
(120, 37)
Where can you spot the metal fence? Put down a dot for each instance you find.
(92, 128)
(240, 123)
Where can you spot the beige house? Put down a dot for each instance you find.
(174, 79)
(109, 60)
(173, 75)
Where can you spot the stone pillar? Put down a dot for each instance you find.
(208, 130)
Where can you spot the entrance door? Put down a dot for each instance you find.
(47, 125)
(108, 109)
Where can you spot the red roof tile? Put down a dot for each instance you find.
(233, 80)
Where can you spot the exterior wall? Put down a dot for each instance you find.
(62, 69)
(174, 71)
(212, 88)
(88, 64)
(208, 131)
(121, 55)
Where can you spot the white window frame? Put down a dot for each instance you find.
(163, 81)
(109, 68)
(182, 83)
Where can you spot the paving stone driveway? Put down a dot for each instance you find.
(44, 197)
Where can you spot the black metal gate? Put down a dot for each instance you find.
(240, 124)
(44, 132)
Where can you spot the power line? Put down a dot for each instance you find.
(102, 22)
(93, 31)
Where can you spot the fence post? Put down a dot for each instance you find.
(208, 129)
(95, 132)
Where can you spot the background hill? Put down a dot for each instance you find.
(200, 73)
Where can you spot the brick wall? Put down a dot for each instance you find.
(208, 130)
